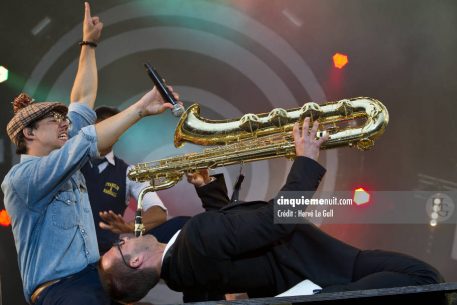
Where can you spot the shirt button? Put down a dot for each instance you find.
(87, 252)
(82, 231)
(68, 201)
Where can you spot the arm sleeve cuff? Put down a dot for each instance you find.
(89, 134)
(305, 175)
(83, 110)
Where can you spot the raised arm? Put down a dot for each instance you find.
(236, 232)
(86, 82)
(306, 145)
(211, 190)
(108, 131)
(90, 141)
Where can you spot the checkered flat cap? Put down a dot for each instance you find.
(26, 112)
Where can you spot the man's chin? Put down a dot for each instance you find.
(146, 236)
(149, 237)
(59, 143)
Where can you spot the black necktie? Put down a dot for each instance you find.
(98, 161)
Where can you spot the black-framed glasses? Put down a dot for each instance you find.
(118, 243)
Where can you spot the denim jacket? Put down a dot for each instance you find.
(46, 198)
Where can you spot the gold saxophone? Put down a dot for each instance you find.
(355, 122)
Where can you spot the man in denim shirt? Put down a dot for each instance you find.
(45, 194)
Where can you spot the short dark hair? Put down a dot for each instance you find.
(104, 112)
(125, 284)
(21, 146)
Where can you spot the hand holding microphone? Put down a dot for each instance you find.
(178, 109)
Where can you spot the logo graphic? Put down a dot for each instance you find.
(111, 189)
(439, 207)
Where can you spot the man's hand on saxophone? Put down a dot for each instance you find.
(199, 178)
(306, 143)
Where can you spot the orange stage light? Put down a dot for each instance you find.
(340, 60)
(4, 218)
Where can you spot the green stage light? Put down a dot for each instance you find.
(3, 74)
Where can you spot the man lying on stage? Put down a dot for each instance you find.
(238, 248)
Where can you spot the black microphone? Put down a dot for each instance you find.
(178, 109)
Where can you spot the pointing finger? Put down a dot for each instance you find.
(86, 11)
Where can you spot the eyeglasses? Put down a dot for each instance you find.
(59, 118)
(118, 244)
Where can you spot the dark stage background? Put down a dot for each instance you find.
(236, 57)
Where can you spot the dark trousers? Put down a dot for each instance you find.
(383, 269)
(82, 288)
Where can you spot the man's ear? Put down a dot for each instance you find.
(28, 133)
(136, 261)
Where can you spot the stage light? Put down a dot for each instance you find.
(4, 218)
(340, 60)
(3, 74)
(361, 196)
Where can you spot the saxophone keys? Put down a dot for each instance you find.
(249, 122)
(365, 144)
(344, 108)
(278, 117)
(311, 110)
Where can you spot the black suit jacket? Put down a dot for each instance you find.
(237, 248)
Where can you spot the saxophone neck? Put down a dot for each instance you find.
(139, 226)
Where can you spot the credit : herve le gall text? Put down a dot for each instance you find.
(287, 213)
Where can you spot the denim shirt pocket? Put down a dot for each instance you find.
(81, 182)
(64, 210)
